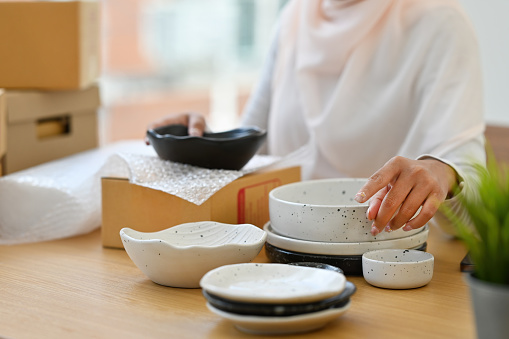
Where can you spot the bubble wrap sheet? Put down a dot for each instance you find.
(62, 198)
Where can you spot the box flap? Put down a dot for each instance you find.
(3, 125)
(32, 105)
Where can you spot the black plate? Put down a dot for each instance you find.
(280, 310)
(225, 150)
(350, 264)
(317, 265)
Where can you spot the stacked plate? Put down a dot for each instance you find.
(347, 256)
(319, 221)
(276, 298)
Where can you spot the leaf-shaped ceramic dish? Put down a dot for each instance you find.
(224, 150)
(273, 283)
(179, 256)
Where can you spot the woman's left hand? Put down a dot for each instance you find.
(401, 187)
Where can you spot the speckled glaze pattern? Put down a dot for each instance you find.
(397, 268)
(343, 248)
(324, 210)
(273, 283)
(179, 256)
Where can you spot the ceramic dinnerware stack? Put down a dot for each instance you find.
(276, 298)
(319, 221)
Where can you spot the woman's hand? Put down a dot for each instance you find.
(401, 187)
(195, 123)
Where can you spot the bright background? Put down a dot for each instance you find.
(169, 56)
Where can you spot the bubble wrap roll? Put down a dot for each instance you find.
(58, 199)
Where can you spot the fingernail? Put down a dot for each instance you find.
(194, 131)
(388, 229)
(374, 230)
(407, 228)
(360, 197)
(367, 213)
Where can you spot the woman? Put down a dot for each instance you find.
(385, 89)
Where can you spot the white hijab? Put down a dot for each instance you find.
(357, 82)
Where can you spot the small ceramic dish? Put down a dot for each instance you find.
(343, 248)
(224, 150)
(397, 269)
(349, 264)
(324, 210)
(281, 310)
(272, 283)
(281, 325)
(179, 256)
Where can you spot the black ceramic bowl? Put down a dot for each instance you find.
(280, 310)
(224, 150)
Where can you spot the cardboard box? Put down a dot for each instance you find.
(245, 200)
(3, 127)
(49, 44)
(44, 126)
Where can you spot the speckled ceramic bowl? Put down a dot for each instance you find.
(324, 210)
(223, 150)
(397, 268)
(179, 256)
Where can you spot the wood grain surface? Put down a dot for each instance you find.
(75, 288)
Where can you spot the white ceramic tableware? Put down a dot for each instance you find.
(343, 248)
(324, 210)
(263, 325)
(397, 268)
(179, 256)
(273, 283)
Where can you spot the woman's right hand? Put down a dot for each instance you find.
(195, 123)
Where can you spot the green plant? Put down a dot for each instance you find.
(486, 236)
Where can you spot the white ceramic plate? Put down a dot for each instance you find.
(273, 283)
(281, 325)
(343, 248)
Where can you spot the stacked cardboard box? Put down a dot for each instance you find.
(49, 66)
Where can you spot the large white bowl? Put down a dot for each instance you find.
(324, 210)
(179, 256)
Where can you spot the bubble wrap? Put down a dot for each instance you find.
(194, 184)
(62, 198)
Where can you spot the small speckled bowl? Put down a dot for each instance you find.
(397, 268)
(324, 210)
(179, 256)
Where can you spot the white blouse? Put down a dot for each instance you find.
(347, 85)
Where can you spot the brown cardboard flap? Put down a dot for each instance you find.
(34, 105)
(3, 125)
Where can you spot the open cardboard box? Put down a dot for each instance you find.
(51, 45)
(44, 126)
(245, 200)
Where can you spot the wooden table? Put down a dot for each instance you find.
(74, 288)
